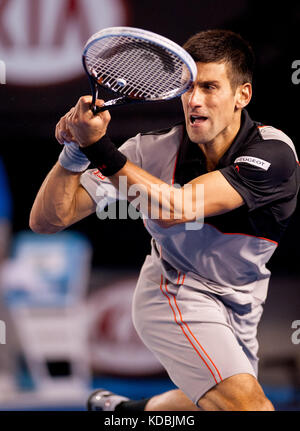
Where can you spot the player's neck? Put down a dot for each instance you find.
(214, 150)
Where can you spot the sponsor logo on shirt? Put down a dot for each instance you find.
(99, 175)
(255, 161)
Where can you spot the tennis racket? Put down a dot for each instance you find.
(137, 66)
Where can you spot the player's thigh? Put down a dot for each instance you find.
(188, 332)
(236, 393)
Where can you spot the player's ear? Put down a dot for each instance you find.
(243, 95)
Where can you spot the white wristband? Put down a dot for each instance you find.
(72, 159)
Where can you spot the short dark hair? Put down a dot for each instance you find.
(219, 46)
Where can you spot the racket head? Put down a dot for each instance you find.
(138, 64)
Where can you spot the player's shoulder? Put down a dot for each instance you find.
(268, 152)
(269, 134)
(270, 144)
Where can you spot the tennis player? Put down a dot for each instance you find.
(200, 294)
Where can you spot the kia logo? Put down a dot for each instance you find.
(41, 41)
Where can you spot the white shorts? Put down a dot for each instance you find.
(199, 341)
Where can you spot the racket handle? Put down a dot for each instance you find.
(96, 109)
(113, 104)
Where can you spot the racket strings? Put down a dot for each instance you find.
(133, 65)
(136, 68)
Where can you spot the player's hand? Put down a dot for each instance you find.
(85, 127)
(62, 133)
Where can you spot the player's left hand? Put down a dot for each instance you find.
(86, 127)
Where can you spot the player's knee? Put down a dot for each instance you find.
(252, 401)
(237, 393)
(245, 402)
(257, 404)
(266, 405)
(252, 397)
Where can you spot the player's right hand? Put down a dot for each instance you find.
(83, 125)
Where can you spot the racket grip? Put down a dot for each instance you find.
(96, 109)
(111, 104)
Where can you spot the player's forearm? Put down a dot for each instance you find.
(163, 203)
(54, 204)
(171, 205)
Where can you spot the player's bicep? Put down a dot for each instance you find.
(219, 196)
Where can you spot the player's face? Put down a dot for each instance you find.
(210, 104)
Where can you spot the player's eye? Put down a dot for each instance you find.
(210, 87)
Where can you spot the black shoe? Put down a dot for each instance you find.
(103, 400)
